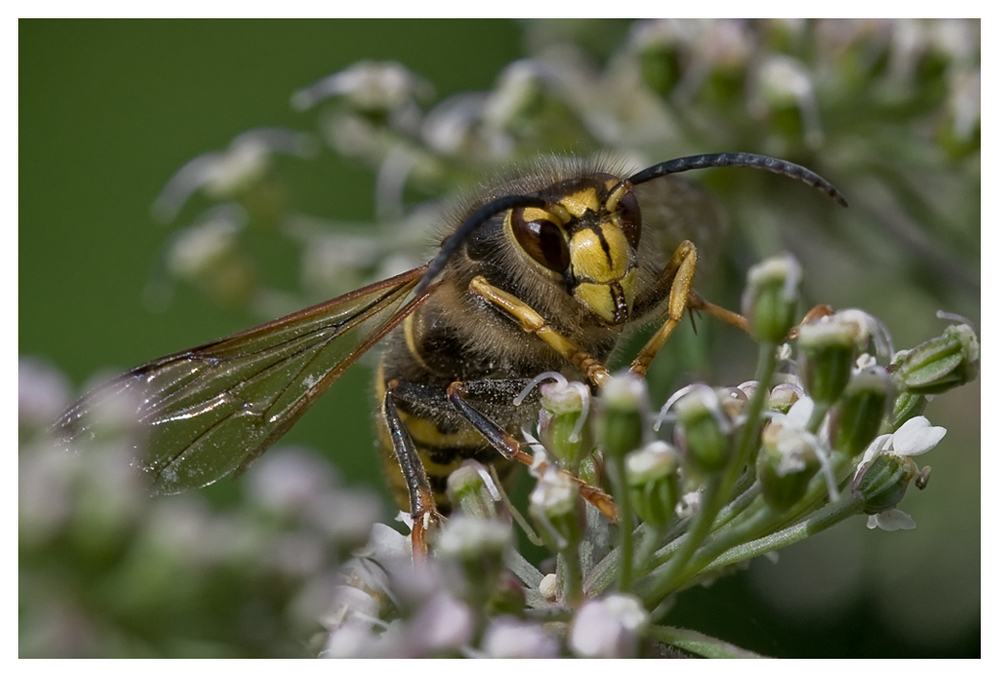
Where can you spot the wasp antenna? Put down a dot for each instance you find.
(473, 222)
(740, 159)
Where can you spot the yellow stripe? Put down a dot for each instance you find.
(411, 343)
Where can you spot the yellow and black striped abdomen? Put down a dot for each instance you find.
(441, 447)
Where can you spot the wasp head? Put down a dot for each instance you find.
(587, 236)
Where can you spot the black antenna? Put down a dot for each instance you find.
(739, 159)
(474, 221)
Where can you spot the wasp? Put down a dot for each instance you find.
(544, 271)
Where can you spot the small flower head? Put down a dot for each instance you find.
(887, 468)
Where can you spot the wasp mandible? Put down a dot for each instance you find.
(544, 271)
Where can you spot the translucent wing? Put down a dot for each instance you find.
(674, 209)
(214, 409)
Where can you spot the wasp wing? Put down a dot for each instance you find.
(214, 409)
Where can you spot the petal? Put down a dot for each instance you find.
(799, 413)
(916, 436)
(892, 520)
(877, 446)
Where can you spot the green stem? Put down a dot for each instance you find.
(821, 520)
(572, 576)
(718, 487)
(699, 643)
(626, 521)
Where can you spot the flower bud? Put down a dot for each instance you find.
(704, 428)
(620, 425)
(882, 482)
(469, 539)
(561, 422)
(609, 628)
(860, 414)
(771, 298)
(829, 347)
(786, 464)
(555, 504)
(652, 477)
(783, 397)
(940, 364)
(467, 489)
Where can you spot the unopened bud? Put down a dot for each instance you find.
(555, 504)
(940, 364)
(561, 425)
(783, 397)
(468, 490)
(829, 346)
(609, 628)
(469, 539)
(704, 429)
(858, 418)
(652, 477)
(786, 464)
(882, 482)
(771, 298)
(620, 425)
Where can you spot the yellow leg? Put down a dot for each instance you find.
(680, 272)
(533, 322)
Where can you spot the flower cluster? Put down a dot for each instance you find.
(715, 477)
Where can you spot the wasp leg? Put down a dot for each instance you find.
(423, 509)
(533, 322)
(459, 392)
(674, 283)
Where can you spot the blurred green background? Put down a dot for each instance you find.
(109, 110)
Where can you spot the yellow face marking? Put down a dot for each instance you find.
(534, 214)
(591, 262)
(580, 202)
(604, 300)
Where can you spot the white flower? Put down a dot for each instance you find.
(916, 436)
(609, 627)
(508, 638)
(891, 520)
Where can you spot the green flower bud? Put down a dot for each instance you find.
(786, 464)
(621, 422)
(882, 482)
(562, 420)
(940, 364)
(907, 405)
(783, 396)
(829, 346)
(857, 420)
(704, 428)
(653, 481)
(771, 298)
(555, 504)
(470, 540)
(467, 490)
(477, 546)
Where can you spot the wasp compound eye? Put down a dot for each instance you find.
(541, 238)
(630, 218)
